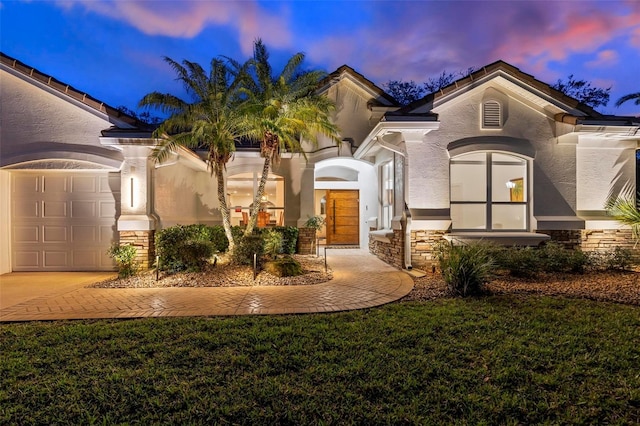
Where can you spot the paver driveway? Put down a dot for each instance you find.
(360, 280)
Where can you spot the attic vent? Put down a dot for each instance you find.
(491, 117)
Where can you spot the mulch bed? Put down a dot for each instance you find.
(225, 275)
(620, 287)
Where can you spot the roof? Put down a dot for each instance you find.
(71, 92)
(510, 70)
(334, 76)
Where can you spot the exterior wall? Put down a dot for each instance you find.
(600, 240)
(38, 124)
(5, 222)
(306, 241)
(571, 239)
(366, 184)
(423, 244)
(185, 196)
(391, 252)
(352, 114)
(144, 242)
(525, 128)
(615, 163)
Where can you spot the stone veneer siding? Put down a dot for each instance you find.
(601, 240)
(569, 238)
(423, 244)
(606, 239)
(144, 242)
(306, 241)
(393, 252)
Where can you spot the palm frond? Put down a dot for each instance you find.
(629, 97)
(624, 210)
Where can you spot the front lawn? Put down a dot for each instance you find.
(501, 359)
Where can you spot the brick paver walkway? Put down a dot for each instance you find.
(360, 280)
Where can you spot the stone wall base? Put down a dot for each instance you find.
(569, 238)
(393, 252)
(603, 240)
(306, 241)
(423, 244)
(144, 242)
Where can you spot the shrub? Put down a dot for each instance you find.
(195, 255)
(284, 267)
(124, 257)
(289, 238)
(272, 243)
(465, 268)
(619, 259)
(522, 262)
(555, 258)
(189, 247)
(248, 246)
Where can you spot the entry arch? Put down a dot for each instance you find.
(348, 174)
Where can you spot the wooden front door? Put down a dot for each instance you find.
(343, 218)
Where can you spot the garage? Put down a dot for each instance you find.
(63, 221)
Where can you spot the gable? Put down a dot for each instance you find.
(359, 103)
(44, 119)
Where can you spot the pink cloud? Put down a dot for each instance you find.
(605, 58)
(187, 19)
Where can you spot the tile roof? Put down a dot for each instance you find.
(363, 80)
(510, 70)
(71, 92)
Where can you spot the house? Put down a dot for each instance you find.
(495, 155)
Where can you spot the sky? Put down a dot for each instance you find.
(113, 49)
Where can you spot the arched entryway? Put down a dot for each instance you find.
(345, 194)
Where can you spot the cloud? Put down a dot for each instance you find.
(605, 58)
(187, 19)
(417, 40)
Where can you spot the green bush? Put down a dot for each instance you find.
(524, 262)
(527, 262)
(289, 238)
(619, 259)
(465, 268)
(189, 247)
(246, 247)
(124, 257)
(272, 243)
(284, 267)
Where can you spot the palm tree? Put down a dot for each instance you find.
(210, 121)
(629, 97)
(283, 111)
(624, 209)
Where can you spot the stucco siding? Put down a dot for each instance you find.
(37, 123)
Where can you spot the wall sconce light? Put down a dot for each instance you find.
(131, 190)
(510, 185)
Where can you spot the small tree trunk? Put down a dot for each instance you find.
(258, 198)
(224, 209)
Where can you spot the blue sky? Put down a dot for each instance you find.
(113, 49)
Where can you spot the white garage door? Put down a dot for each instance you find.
(63, 221)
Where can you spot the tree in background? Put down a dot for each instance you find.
(144, 116)
(406, 92)
(583, 91)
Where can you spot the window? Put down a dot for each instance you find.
(241, 189)
(491, 115)
(489, 192)
(387, 194)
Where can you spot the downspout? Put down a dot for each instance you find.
(402, 151)
(407, 237)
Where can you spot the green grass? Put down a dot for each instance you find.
(498, 360)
